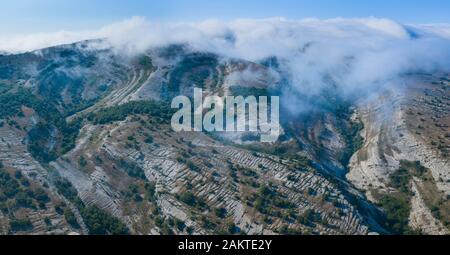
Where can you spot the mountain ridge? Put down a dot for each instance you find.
(99, 128)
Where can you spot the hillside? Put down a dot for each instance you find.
(87, 148)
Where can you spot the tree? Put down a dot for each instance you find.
(71, 219)
(397, 209)
(21, 225)
(101, 223)
(220, 212)
(82, 161)
(188, 198)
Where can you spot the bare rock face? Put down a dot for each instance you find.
(421, 216)
(211, 183)
(400, 127)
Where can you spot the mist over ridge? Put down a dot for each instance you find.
(364, 122)
(353, 53)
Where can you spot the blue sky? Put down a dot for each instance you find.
(32, 16)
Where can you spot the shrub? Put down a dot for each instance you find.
(101, 223)
(188, 198)
(397, 209)
(132, 169)
(220, 212)
(21, 225)
(119, 113)
(71, 219)
(180, 224)
(191, 165)
(82, 161)
(66, 189)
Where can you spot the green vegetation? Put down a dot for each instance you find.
(141, 191)
(66, 189)
(133, 192)
(196, 68)
(18, 225)
(353, 140)
(71, 219)
(38, 140)
(438, 203)
(132, 169)
(50, 119)
(341, 111)
(102, 223)
(150, 191)
(397, 205)
(401, 178)
(192, 166)
(181, 225)
(231, 228)
(248, 91)
(98, 221)
(268, 195)
(190, 199)
(82, 162)
(184, 159)
(48, 221)
(9, 187)
(11, 103)
(285, 230)
(350, 131)
(397, 208)
(162, 111)
(148, 139)
(268, 202)
(220, 212)
(307, 217)
(15, 193)
(146, 62)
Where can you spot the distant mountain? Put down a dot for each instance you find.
(87, 147)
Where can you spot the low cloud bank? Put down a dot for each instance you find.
(351, 53)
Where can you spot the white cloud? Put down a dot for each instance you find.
(355, 53)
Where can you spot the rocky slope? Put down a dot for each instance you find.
(90, 129)
(410, 124)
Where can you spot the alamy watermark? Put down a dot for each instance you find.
(228, 114)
